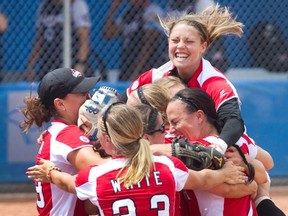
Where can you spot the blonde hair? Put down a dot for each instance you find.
(211, 23)
(157, 96)
(125, 128)
(169, 82)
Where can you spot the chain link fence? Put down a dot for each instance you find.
(121, 39)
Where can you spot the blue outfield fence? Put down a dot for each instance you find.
(264, 108)
(20, 35)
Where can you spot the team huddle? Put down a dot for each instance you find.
(173, 144)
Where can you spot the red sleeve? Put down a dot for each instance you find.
(83, 176)
(73, 136)
(219, 89)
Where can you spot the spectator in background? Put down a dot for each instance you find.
(47, 50)
(216, 53)
(141, 34)
(3, 27)
(268, 47)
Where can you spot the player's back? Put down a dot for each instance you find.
(153, 195)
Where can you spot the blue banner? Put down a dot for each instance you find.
(264, 109)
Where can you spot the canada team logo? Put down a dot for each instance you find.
(135, 85)
(76, 73)
(84, 139)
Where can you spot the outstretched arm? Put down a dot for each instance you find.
(63, 181)
(207, 179)
(235, 191)
(48, 172)
(265, 158)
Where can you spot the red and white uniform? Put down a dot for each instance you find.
(154, 195)
(209, 204)
(206, 77)
(58, 142)
(169, 137)
(246, 144)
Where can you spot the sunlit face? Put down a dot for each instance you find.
(70, 106)
(157, 137)
(185, 49)
(183, 123)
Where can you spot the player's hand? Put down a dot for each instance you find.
(39, 172)
(233, 155)
(234, 174)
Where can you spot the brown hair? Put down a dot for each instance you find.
(35, 112)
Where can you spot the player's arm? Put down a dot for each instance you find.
(63, 180)
(260, 172)
(161, 149)
(48, 172)
(84, 157)
(233, 125)
(235, 191)
(265, 158)
(207, 179)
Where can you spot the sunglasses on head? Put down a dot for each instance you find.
(161, 129)
(105, 114)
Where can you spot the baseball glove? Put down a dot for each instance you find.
(90, 109)
(196, 156)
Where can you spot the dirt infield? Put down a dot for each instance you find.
(24, 204)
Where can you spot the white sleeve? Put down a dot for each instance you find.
(249, 144)
(177, 168)
(80, 14)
